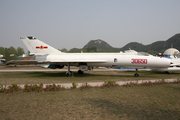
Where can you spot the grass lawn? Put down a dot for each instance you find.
(8, 78)
(126, 103)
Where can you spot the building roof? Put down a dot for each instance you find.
(171, 51)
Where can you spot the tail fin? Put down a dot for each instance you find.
(36, 46)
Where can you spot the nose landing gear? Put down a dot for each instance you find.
(136, 74)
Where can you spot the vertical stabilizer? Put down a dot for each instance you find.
(36, 46)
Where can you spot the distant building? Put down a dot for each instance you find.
(1, 60)
(172, 52)
(1, 56)
(23, 55)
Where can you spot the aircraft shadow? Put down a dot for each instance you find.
(75, 74)
(128, 74)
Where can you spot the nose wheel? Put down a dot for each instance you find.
(136, 74)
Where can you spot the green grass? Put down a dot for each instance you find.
(132, 103)
(89, 76)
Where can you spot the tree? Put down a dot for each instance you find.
(10, 54)
(20, 51)
(12, 50)
(91, 49)
(73, 51)
(152, 52)
(2, 51)
(64, 50)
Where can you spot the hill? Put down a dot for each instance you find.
(158, 46)
(96, 46)
(100, 45)
(134, 46)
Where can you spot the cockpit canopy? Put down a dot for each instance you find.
(143, 53)
(31, 37)
(133, 52)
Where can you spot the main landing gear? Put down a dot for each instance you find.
(136, 74)
(69, 73)
(80, 72)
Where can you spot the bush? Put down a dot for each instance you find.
(2, 89)
(15, 86)
(130, 84)
(177, 81)
(74, 85)
(53, 87)
(35, 87)
(109, 84)
(38, 88)
(59, 87)
(85, 86)
(28, 88)
(49, 88)
(12, 88)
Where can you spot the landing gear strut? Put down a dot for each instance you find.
(69, 73)
(136, 74)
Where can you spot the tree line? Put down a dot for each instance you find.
(16, 51)
(19, 51)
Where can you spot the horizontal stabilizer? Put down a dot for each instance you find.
(21, 62)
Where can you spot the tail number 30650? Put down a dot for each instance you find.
(139, 61)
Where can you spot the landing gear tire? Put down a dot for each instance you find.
(69, 74)
(136, 75)
(80, 72)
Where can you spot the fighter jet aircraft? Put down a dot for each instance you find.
(46, 56)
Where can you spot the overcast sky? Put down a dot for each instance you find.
(73, 23)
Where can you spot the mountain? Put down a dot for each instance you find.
(100, 45)
(158, 46)
(161, 46)
(134, 46)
